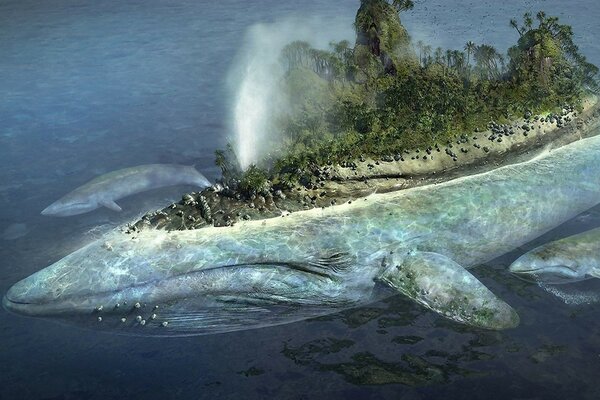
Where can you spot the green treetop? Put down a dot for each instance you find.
(547, 56)
(380, 97)
(381, 40)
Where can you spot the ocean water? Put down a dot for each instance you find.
(90, 87)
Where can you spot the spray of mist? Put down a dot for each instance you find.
(257, 73)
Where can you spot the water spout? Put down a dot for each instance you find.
(257, 75)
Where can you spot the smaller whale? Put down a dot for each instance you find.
(106, 189)
(574, 258)
(15, 231)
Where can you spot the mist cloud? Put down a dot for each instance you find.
(257, 71)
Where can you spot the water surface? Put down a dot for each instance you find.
(89, 87)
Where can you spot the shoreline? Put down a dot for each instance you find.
(522, 140)
(316, 212)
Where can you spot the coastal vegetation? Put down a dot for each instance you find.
(387, 93)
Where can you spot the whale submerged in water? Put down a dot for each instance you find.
(570, 259)
(419, 242)
(106, 189)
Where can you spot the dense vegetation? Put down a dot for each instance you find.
(386, 93)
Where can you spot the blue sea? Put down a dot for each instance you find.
(87, 87)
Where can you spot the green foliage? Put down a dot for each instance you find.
(380, 36)
(348, 102)
(226, 160)
(253, 182)
(328, 65)
(547, 61)
(379, 18)
(403, 5)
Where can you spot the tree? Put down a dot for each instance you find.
(420, 46)
(548, 53)
(227, 161)
(403, 5)
(515, 24)
(528, 21)
(448, 58)
(296, 54)
(426, 55)
(439, 55)
(487, 58)
(458, 60)
(541, 16)
(470, 49)
(341, 48)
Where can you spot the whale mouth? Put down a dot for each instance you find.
(16, 302)
(551, 274)
(19, 299)
(18, 307)
(19, 304)
(57, 209)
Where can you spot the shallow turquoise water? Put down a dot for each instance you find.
(91, 87)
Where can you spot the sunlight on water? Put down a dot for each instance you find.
(90, 87)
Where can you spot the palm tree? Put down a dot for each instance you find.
(458, 61)
(541, 16)
(502, 61)
(470, 49)
(403, 5)
(527, 20)
(420, 45)
(487, 58)
(515, 24)
(426, 54)
(448, 57)
(439, 55)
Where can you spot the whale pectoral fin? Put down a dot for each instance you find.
(440, 284)
(110, 204)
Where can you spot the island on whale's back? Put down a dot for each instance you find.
(388, 114)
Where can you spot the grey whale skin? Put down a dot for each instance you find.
(418, 242)
(105, 189)
(570, 259)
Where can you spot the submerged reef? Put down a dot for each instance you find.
(388, 114)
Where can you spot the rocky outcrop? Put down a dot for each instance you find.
(381, 40)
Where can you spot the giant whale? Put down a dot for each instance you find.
(419, 242)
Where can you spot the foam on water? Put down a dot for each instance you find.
(573, 298)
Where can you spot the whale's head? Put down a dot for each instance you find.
(542, 266)
(93, 279)
(165, 286)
